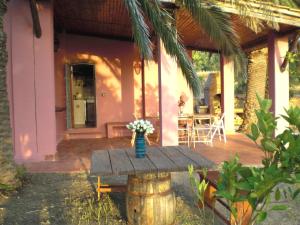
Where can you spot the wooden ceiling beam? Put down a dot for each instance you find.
(196, 48)
(255, 44)
(104, 36)
(262, 41)
(35, 18)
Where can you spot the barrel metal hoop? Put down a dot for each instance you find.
(135, 180)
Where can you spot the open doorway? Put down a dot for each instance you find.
(82, 95)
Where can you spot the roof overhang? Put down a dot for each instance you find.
(264, 11)
(110, 19)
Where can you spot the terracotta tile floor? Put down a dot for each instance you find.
(74, 155)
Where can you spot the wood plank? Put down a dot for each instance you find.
(160, 160)
(143, 165)
(120, 163)
(35, 18)
(178, 158)
(200, 160)
(100, 164)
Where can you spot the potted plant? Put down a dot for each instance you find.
(181, 104)
(141, 128)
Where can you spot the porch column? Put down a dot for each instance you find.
(278, 81)
(168, 108)
(227, 96)
(32, 76)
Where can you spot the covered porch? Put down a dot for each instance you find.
(126, 87)
(75, 155)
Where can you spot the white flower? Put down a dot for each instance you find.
(141, 126)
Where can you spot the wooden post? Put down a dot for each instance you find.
(99, 187)
(35, 18)
(244, 213)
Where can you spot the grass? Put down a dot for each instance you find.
(69, 199)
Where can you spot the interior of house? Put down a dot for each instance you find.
(83, 96)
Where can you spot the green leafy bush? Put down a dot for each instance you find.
(261, 185)
(281, 165)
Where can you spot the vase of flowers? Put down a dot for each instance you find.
(141, 128)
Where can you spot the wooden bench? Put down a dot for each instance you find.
(244, 210)
(111, 125)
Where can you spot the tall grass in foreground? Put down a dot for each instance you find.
(88, 210)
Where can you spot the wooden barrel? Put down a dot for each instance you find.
(150, 199)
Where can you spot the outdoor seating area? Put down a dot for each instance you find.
(200, 128)
(149, 112)
(75, 155)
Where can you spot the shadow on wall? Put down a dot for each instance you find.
(114, 88)
(115, 77)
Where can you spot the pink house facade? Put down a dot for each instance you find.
(126, 87)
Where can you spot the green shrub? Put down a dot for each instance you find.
(281, 165)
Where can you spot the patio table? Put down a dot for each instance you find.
(197, 117)
(150, 199)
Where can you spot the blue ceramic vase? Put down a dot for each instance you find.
(140, 145)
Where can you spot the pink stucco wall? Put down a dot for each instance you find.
(178, 86)
(118, 87)
(278, 80)
(31, 81)
(36, 84)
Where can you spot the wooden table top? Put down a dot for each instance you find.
(158, 159)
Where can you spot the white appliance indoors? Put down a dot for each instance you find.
(79, 112)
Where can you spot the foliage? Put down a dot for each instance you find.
(20, 177)
(205, 61)
(218, 26)
(163, 25)
(257, 25)
(212, 19)
(199, 187)
(91, 211)
(294, 70)
(281, 164)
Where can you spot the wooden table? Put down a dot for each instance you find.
(150, 199)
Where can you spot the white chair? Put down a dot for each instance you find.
(201, 133)
(206, 133)
(184, 130)
(218, 126)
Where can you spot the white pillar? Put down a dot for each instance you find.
(168, 99)
(227, 98)
(278, 81)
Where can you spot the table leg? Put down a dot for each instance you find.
(99, 187)
(150, 199)
(106, 188)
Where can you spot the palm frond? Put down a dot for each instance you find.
(162, 23)
(218, 26)
(140, 28)
(266, 7)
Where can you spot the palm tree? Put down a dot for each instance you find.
(212, 19)
(257, 79)
(7, 167)
(256, 84)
